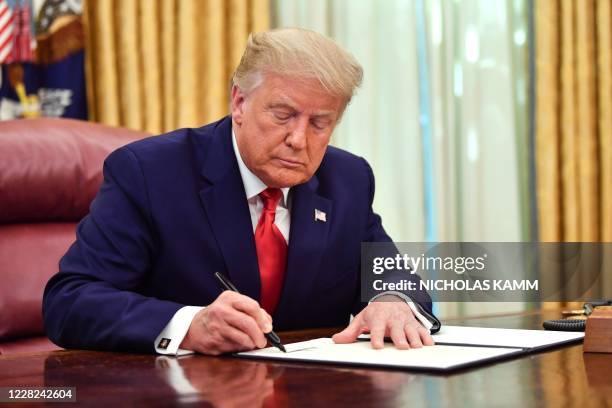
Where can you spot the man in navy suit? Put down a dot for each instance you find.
(258, 195)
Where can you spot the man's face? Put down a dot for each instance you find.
(283, 127)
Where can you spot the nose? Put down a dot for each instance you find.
(296, 137)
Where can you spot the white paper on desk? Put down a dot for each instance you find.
(361, 353)
(484, 336)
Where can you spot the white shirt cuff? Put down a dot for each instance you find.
(424, 321)
(172, 335)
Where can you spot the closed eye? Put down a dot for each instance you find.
(282, 113)
(320, 124)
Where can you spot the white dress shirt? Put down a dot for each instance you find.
(175, 331)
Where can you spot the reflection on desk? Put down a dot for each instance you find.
(561, 377)
(222, 382)
(214, 383)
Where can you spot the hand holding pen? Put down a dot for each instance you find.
(233, 322)
(270, 335)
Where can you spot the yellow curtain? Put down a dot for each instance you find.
(574, 120)
(158, 65)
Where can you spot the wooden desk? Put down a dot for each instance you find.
(562, 377)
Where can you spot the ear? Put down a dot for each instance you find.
(237, 105)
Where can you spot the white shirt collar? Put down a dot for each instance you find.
(252, 184)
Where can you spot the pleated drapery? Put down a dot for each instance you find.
(158, 65)
(574, 120)
(574, 129)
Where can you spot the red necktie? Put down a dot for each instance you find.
(271, 251)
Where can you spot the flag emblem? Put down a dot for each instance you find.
(320, 216)
(6, 31)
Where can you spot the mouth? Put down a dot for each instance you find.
(292, 164)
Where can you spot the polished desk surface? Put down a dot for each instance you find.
(563, 377)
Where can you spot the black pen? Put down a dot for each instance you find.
(228, 285)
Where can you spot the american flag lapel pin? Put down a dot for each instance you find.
(320, 216)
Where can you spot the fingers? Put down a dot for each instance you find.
(398, 336)
(397, 321)
(246, 324)
(237, 340)
(351, 332)
(425, 336)
(251, 307)
(232, 322)
(412, 334)
(377, 334)
(268, 317)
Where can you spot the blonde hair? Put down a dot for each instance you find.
(298, 53)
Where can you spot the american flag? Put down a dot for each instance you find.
(6, 31)
(16, 32)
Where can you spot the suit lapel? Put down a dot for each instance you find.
(224, 201)
(307, 243)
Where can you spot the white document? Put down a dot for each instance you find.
(484, 336)
(436, 357)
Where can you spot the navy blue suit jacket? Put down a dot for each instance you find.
(172, 210)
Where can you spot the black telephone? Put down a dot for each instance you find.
(576, 320)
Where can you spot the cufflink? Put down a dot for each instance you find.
(164, 343)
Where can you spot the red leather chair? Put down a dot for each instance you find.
(50, 170)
